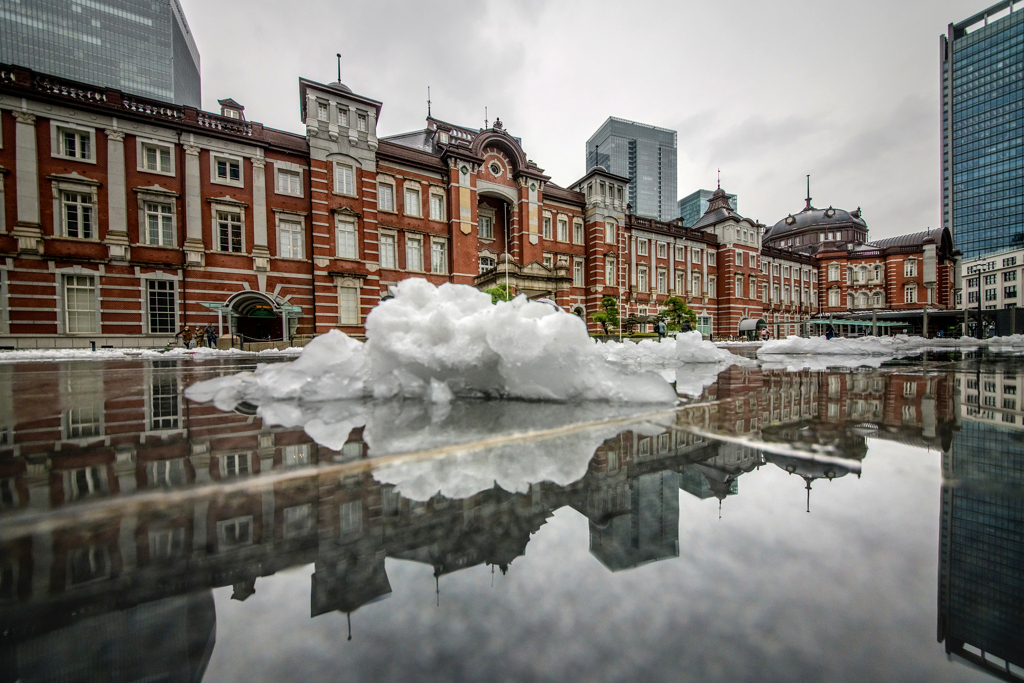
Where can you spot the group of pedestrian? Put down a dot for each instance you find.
(765, 334)
(190, 339)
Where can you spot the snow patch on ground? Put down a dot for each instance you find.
(688, 347)
(439, 343)
(201, 353)
(866, 346)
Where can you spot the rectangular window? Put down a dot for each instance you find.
(910, 294)
(344, 179)
(680, 253)
(609, 233)
(547, 260)
(229, 231)
(347, 239)
(412, 201)
(833, 272)
(577, 233)
(438, 256)
(1010, 292)
(486, 227)
(351, 517)
(361, 122)
(75, 144)
(695, 255)
(641, 279)
(343, 117)
(712, 258)
(348, 305)
(321, 111)
(972, 297)
(577, 273)
(387, 251)
(228, 170)
(1010, 276)
(289, 182)
(641, 247)
(79, 304)
(662, 250)
(910, 268)
(161, 306)
(289, 235)
(662, 282)
(609, 272)
(164, 403)
(385, 197)
(739, 259)
(1011, 261)
(546, 234)
(990, 279)
(563, 230)
(160, 224)
(436, 207)
(156, 158)
(413, 253)
(78, 215)
(695, 285)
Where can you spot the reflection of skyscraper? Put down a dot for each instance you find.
(981, 567)
(648, 531)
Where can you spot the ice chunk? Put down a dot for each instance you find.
(688, 347)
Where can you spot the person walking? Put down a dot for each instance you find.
(186, 337)
(211, 336)
(660, 328)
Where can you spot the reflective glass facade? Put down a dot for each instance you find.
(647, 156)
(983, 115)
(695, 205)
(137, 46)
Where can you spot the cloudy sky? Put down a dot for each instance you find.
(768, 91)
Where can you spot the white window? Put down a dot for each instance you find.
(712, 257)
(159, 224)
(577, 273)
(486, 263)
(739, 258)
(79, 304)
(436, 207)
(547, 259)
(229, 231)
(695, 285)
(641, 278)
(161, 308)
(344, 179)
(833, 297)
(289, 234)
(577, 232)
(350, 517)
(156, 158)
(78, 215)
(695, 255)
(387, 251)
(833, 273)
(739, 285)
(361, 121)
(289, 182)
(910, 293)
(609, 271)
(347, 239)
(877, 298)
(297, 455)
(343, 117)
(641, 247)
(563, 230)
(348, 305)
(680, 253)
(227, 171)
(486, 227)
(546, 234)
(75, 144)
(321, 111)
(910, 268)
(662, 281)
(385, 197)
(413, 252)
(609, 232)
(412, 201)
(662, 250)
(234, 532)
(681, 283)
(438, 256)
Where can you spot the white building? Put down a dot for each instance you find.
(992, 280)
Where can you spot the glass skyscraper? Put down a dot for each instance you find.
(695, 205)
(646, 155)
(143, 47)
(982, 61)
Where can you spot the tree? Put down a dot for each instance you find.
(677, 311)
(608, 316)
(499, 293)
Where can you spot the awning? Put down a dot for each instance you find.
(750, 324)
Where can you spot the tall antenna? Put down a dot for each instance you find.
(485, 118)
(428, 101)
(719, 179)
(339, 67)
(808, 207)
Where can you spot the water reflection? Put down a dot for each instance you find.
(139, 576)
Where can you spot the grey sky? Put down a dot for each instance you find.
(768, 91)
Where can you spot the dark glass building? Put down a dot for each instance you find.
(982, 62)
(646, 155)
(138, 46)
(695, 205)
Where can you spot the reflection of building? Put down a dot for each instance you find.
(981, 176)
(647, 531)
(646, 155)
(138, 46)
(981, 560)
(994, 396)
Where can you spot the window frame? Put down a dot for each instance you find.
(347, 317)
(57, 130)
(345, 219)
(63, 195)
(579, 276)
(338, 176)
(215, 179)
(390, 238)
(388, 185)
(438, 266)
(441, 213)
(409, 240)
(547, 231)
(159, 196)
(412, 189)
(141, 146)
(283, 167)
(173, 313)
(562, 229)
(577, 231)
(94, 318)
(299, 221)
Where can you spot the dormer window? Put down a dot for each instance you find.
(231, 109)
(442, 137)
(321, 111)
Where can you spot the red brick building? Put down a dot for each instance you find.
(125, 219)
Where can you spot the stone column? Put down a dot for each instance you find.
(194, 247)
(260, 252)
(27, 229)
(353, 126)
(117, 201)
(371, 130)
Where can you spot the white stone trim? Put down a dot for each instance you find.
(223, 156)
(57, 149)
(140, 158)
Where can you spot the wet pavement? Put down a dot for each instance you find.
(846, 524)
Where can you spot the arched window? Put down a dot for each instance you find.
(862, 274)
(878, 299)
(486, 263)
(862, 299)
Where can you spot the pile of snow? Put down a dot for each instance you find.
(200, 353)
(467, 430)
(898, 345)
(688, 347)
(443, 342)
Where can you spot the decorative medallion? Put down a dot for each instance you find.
(533, 187)
(495, 168)
(465, 170)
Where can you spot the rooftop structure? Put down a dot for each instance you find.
(646, 155)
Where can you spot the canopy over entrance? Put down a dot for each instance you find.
(255, 316)
(751, 324)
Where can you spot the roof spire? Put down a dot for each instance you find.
(485, 119)
(339, 67)
(428, 101)
(348, 615)
(808, 207)
(808, 480)
(719, 179)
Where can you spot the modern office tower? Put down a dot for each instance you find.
(694, 205)
(646, 155)
(982, 152)
(143, 47)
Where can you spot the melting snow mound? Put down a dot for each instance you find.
(687, 347)
(442, 342)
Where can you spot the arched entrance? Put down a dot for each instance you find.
(751, 327)
(255, 316)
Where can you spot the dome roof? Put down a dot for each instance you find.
(338, 85)
(811, 218)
